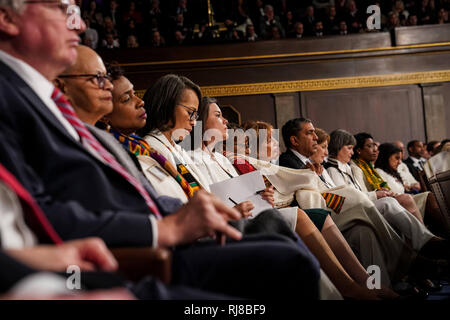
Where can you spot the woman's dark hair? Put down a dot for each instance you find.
(386, 150)
(203, 110)
(161, 100)
(114, 70)
(430, 145)
(360, 141)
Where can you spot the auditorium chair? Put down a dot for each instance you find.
(440, 186)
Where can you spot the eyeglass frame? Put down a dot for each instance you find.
(101, 79)
(191, 115)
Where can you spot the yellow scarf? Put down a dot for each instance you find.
(371, 175)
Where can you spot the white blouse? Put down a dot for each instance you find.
(159, 142)
(328, 179)
(346, 176)
(394, 184)
(212, 170)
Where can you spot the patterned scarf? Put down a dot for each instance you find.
(333, 201)
(371, 175)
(140, 147)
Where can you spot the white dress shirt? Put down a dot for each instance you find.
(328, 179)
(301, 157)
(407, 177)
(213, 170)
(417, 163)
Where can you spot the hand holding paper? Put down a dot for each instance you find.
(246, 187)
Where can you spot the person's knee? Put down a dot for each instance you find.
(405, 198)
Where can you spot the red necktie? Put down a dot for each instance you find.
(35, 218)
(68, 112)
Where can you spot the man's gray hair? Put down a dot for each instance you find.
(338, 139)
(16, 5)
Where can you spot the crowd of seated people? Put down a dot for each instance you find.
(87, 166)
(117, 23)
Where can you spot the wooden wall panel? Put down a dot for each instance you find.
(254, 107)
(389, 113)
(422, 34)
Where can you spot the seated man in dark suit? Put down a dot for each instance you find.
(301, 143)
(84, 191)
(414, 161)
(27, 236)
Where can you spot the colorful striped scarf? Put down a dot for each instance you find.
(372, 176)
(140, 147)
(333, 201)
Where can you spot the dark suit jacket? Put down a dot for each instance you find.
(38, 150)
(414, 171)
(290, 160)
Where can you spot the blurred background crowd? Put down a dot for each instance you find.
(115, 24)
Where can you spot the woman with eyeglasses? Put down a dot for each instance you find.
(87, 86)
(172, 105)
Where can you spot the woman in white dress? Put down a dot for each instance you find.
(408, 223)
(389, 159)
(370, 181)
(173, 111)
(328, 244)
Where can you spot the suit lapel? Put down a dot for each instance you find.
(296, 159)
(122, 156)
(37, 104)
(27, 93)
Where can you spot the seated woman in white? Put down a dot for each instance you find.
(324, 245)
(173, 117)
(389, 158)
(371, 237)
(369, 179)
(340, 152)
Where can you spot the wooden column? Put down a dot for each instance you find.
(436, 111)
(286, 108)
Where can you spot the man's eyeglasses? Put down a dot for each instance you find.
(99, 79)
(192, 115)
(63, 5)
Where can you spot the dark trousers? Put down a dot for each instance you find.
(257, 267)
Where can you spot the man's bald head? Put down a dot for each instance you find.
(400, 144)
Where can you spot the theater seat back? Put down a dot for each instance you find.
(440, 185)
